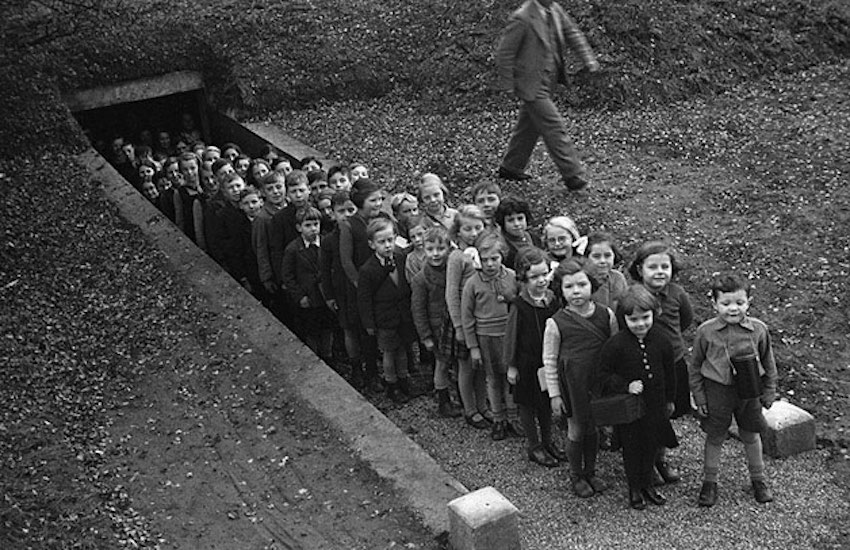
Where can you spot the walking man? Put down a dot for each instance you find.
(530, 60)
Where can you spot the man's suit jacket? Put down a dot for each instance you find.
(525, 46)
(300, 272)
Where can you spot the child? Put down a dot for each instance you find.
(383, 298)
(655, 267)
(259, 168)
(561, 236)
(416, 255)
(317, 180)
(640, 361)
(487, 195)
(241, 258)
(468, 225)
(731, 338)
(230, 151)
(432, 196)
(404, 206)
(282, 230)
(187, 195)
(282, 165)
(242, 165)
(485, 302)
(357, 171)
(310, 164)
(354, 250)
(602, 255)
(334, 283)
(430, 315)
(274, 193)
(572, 340)
(300, 273)
(513, 215)
(338, 178)
(324, 203)
(523, 351)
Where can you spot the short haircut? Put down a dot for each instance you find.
(316, 175)
(636, 297)
(308, 159)
(572, 266)
(219, 164)
(526, 258)
(306, 214)
(646, 250)
(430, 178)
(728, 281)
(337, 168)
(249, 190)
(486, 186)
(563, 222)
(437, 234)
(296, 178)
(378, 224)
(469, 211)
(511, 205)
(272, 177)
(187, 157)
(598, 237)
(326, 194)
(492, 241)
(231, 177)
(340, 198)
(231, 145)
(148, 163)
(418, 221)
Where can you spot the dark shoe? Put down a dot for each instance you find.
(654, 496)
(375, 385)
(514, 429)
(445, 407)
(477, 421)
(582, 488)
(575, 183)
(407, 389)
(636, 500)
(557, 453)
(668, 473)
(708, 494)
(597, 484)
(762, 492)
(395, 394)
(539, 455)
(499, 430)
(507, 174)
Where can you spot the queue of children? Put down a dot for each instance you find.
(526, 331)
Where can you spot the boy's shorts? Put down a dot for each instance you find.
(723, 403)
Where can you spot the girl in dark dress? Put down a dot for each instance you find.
(523, 352)
(640, 361)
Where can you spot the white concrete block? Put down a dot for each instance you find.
(483, 520)
(790, 430)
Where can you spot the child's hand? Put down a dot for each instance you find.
(513, 374)
(636, 387)
(766, 402)
(475, 355)
(702, 411)
(669, 408)
(304, 302)
(429, 344)
(331, 304)
(558, 409)
(459, 335)
(370, 331)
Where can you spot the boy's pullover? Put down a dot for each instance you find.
(485, 303)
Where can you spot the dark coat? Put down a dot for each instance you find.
(384, 304)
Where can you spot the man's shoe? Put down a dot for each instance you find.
(478, 423)
(668, 473)
(557, 453)
(596, 484)
(395, 394)
(499, 430)
(575, 183)
(654, 496)
(708, 494)
(539, 455)
(762, 492)
(636, 500)
(514, 429)
(507, 174)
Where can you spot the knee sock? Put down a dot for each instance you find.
(753, 451)
(526, 418)
(590, 448)
(711, 465)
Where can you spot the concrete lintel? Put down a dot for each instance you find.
(135, 90)
(276, 136)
